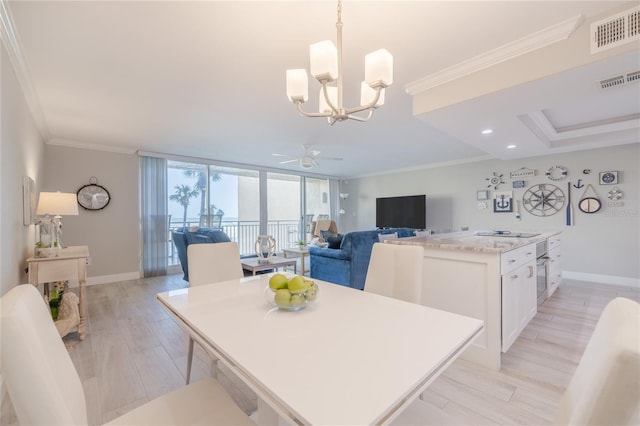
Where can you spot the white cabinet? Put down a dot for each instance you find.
(554, 266)
(519, 301)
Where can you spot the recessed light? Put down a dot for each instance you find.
(511, 146)
(487, 131)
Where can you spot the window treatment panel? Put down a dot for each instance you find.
(155, 220)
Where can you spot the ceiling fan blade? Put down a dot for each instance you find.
(282, 155)
(328, 158)
(289, 161)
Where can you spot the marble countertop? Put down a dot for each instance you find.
(467, 241)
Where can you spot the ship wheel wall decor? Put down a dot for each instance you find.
(543, 200)
(495, 181)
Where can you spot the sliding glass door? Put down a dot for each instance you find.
(230, 198)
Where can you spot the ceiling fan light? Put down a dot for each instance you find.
(332, 92)
(368, 94)
(324, 60)
(378, 68)
(306, 162)
(297, 85)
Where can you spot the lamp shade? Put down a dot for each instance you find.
(57, 204)
(332, 92)
(297, 85)
(367, 95)
(378, 68)
(324, 60)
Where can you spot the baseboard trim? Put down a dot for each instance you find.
(602, 279)
(106, 279)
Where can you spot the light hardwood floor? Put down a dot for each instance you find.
(135, 352)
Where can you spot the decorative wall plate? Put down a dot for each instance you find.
(556, 173)
(93, 196)
(615, 194)
(543, 200)
(608, 178)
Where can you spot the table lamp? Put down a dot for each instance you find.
(57, 204)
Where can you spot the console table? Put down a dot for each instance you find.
(71, 264)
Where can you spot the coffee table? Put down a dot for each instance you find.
(297, 251)
(251, 264)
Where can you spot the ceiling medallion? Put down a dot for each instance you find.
(326, 67)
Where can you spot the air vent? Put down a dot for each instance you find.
(619, 80)
(633, 76)
(615, 30)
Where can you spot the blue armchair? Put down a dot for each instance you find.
(182, 237)
(348, 264)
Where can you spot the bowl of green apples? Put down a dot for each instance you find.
(290, 293)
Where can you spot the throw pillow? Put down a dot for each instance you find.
(327, 234)
(384, 237)
(334, 242)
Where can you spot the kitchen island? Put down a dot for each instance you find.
(492, 278)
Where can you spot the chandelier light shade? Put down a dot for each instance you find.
(326, 67)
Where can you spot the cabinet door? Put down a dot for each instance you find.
(554, 270)
(509, 309)
(519, 302)
(527, 295)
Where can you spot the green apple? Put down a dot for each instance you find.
(282, 298)
(311, 293)
(297, 285)
(297, 300)
(278, 281)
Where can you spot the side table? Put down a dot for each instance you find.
(71, 264)
(297, 251)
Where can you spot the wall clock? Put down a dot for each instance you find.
(93, 196)
(543, 200)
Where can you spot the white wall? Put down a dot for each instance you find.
(112, 234)
(21, 154)
(601, 244)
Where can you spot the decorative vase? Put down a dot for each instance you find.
(265, 248)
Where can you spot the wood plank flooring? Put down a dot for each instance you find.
(135, 352)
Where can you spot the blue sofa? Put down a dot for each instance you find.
(182, 237)
(348, 264)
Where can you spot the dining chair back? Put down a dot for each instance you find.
(605, 388)
(395, 271)
(213, 262)
(45, 389)
(210, 263)
(42, 382)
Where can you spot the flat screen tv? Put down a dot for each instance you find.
(402, 212)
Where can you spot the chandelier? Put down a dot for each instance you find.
(326, 67)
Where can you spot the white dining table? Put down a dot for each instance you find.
(349, 358)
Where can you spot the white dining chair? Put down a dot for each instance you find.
(211, 263)
(395, 271)
(45, 389)
(604, 389)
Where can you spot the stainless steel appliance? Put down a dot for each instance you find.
(542, 261)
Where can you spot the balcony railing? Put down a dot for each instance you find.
(245, 233)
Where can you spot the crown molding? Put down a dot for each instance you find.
(12, 44)
(90, 146)
(553, 34)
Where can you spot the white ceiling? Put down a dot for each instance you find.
(207, 79)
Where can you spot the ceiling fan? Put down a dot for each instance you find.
(308, 159)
